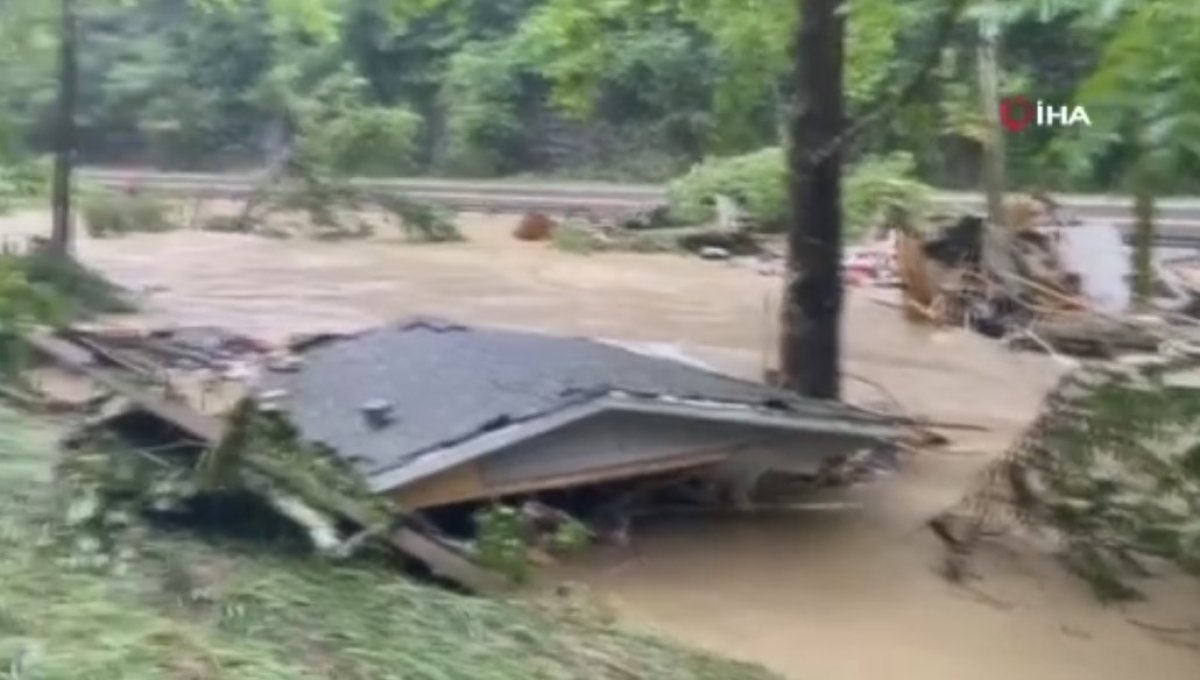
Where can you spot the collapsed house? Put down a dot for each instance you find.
(429, 414)
(433, 413)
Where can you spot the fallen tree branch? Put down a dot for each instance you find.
(320, 528)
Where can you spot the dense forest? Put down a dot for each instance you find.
(635, 90)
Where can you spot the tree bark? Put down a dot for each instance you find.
(810, 346)
(65, 131)
(1143, 238)
(997, 243)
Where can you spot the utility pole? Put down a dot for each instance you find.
(65, 131)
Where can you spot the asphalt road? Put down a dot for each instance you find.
(1178, 218)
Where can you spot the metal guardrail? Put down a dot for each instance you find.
(1179, 218)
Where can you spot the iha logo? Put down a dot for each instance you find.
(1018, 113)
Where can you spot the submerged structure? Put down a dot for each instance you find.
(424, 415)
(431, 412)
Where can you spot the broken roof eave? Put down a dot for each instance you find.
(453, 456)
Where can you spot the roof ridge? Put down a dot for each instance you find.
(435, 324)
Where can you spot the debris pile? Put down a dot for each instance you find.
(1042, 281)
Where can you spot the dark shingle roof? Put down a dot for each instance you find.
(447, 383)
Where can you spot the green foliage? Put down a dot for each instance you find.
(500, 542)
(421, 222)
(81, 291)
(108, 214)
(340, 130)
(872, 29)
(22, 182)
(578, 48)
(1143, 99)
(583, 239)
(23, 304)
(265, 454)
(576, 238)
(880, 186)
(373, 140)
(481, 93)
(1119, 475)
(40, 289)
(758, 182)
(478, 87)
(186, 608)
(571, 537)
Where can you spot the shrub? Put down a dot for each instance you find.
(576, 238)
(758, 181)
(481, 94)
(373, 141)
(421, 222)
(880, 185)
(22, 303)
(113, 214)
(21, 182)
(1119, 473)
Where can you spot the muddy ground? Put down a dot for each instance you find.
(830, 595)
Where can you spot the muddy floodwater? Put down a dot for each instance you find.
(841, 594)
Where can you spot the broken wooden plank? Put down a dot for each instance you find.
(446, 562)
(114, 357)
(442, 559)
(206, 428)
(1095, 333)
(68, 354)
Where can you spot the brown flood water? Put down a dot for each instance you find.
(837, 595)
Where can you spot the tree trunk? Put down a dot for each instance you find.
(997, 245)
(810, 346)
(65, 133)
(1143, 239)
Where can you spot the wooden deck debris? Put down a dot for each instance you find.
(439, 556)
(71, 356)
(446, 562)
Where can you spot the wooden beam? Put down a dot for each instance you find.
(456, 484)
(460, 485)
(446, 562)
(71, 356)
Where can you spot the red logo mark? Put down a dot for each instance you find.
(1017, 113)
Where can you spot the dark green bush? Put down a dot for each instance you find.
(757, 181)
(372, 141)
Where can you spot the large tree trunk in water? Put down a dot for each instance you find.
(810, 351)
(65, 132)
